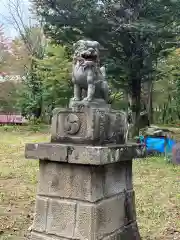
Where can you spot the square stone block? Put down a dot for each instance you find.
(89, 126)
(114, 179)
(71, 181)
(68, 126)
(94, 221)
(61, 218)
(82, 182)
(86, 225)
(40, 218)
(110, 215)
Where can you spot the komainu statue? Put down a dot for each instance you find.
(86, 74)
(89, 119)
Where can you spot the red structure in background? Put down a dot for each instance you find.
(12, 119)
(3, 74)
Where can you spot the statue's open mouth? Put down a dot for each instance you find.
(89, 57)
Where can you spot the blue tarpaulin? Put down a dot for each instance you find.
(158, 144)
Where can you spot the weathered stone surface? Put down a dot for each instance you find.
(71, 181)
(130, 210)
(39, 223)
(110, 215)
(100, 155)
(79, 154)
(129, 232)
(102, 219)
(129, 178)
(61, 218)
(45, 151)
(38, 236)
(87, 155)
(82, 182)
(86, 222)
(86, 125)
(114, 179)
(66, 129)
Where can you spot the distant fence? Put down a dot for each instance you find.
(12, 119)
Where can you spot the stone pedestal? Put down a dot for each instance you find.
(85, 192)
(85, 124)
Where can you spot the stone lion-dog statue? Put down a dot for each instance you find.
(87, 75)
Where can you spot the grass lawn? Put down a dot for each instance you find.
(156, 183)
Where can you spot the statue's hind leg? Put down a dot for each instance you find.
(105, 91)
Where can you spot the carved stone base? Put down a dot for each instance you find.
(129, 232)
(81, 195)
(87, 125)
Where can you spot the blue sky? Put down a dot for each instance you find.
(5, 16)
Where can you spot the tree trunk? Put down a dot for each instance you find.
(147, 90)
(150, 104)
(37, 112)
(135, 105)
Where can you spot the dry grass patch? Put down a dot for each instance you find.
(18, 180)
(157, 187)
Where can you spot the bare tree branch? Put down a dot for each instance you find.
(23, 24)
(31, 34)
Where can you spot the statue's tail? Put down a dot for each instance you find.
(103, 71)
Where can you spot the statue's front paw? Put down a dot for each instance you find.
(87, 99)
(75, 99)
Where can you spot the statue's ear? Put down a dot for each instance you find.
(96, 44)
(77, 44)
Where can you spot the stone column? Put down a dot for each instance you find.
(85, 191)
